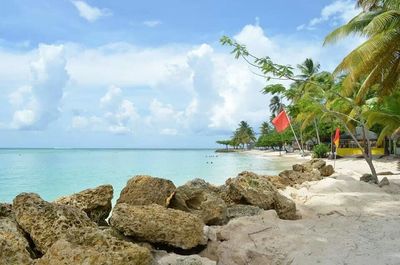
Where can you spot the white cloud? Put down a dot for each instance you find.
(124, 64)
(168, 131)
(118, 116)
(112, 96)
(175, 89)
(90, 13)
(339, 11)
(152, 23)
(38, 104)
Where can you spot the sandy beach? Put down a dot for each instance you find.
(344, 220)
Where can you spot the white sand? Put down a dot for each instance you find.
(345, 221)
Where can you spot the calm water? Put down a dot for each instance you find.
(56, 172)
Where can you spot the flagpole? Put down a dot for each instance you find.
(295, 137)
(334, 161)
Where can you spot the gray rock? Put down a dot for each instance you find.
(47, 222)
(368, 178)
(384, 182)
(285, 207)
(96, 203)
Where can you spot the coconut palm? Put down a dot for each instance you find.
(275, 106)
(244, 135)
(388, 115)
(377, 60)
(308, 68)
(265, 128)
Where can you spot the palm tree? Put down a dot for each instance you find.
(309, 77)
(377, 60)
(265, 128)
(244, 135)
(388, 115)
(275, 106)
(308, 68)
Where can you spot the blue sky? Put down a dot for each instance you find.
(148, 73)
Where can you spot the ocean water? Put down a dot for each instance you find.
(57, 172)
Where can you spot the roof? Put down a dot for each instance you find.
(359, 135)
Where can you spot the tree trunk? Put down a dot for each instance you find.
(366, 150)
(317, 131)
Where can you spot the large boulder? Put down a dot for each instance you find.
(326, 170)
(199, 198)
(145, 190)
(13, 245)
(47, 222)
(285, 207)
(249, 188)
(91, 246)
(156, 224)
(96, 203)
(315, 163)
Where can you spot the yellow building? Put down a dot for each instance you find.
(348, 147)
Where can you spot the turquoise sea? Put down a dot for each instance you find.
(56, 172)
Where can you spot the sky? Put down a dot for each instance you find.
(149, 74)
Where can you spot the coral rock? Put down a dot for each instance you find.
(145, 190)
(13, 245)
(47, 222)
(156, 224)
(199, 197)
(91, 246)
(96, 203)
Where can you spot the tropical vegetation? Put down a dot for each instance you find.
(242, 138)
(362, 92)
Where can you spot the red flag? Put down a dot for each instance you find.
(337, 138)
(281, 122)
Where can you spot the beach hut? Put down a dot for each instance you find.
(348, 147)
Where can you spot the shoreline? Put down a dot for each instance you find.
(314, 218)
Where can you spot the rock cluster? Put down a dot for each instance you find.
(312, 170)
(251, 189)
(150, 213)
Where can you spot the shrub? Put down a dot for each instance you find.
(320, 151)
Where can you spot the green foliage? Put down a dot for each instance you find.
(244, 135)
(376, 62)
(274, 139)
(320, 151)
